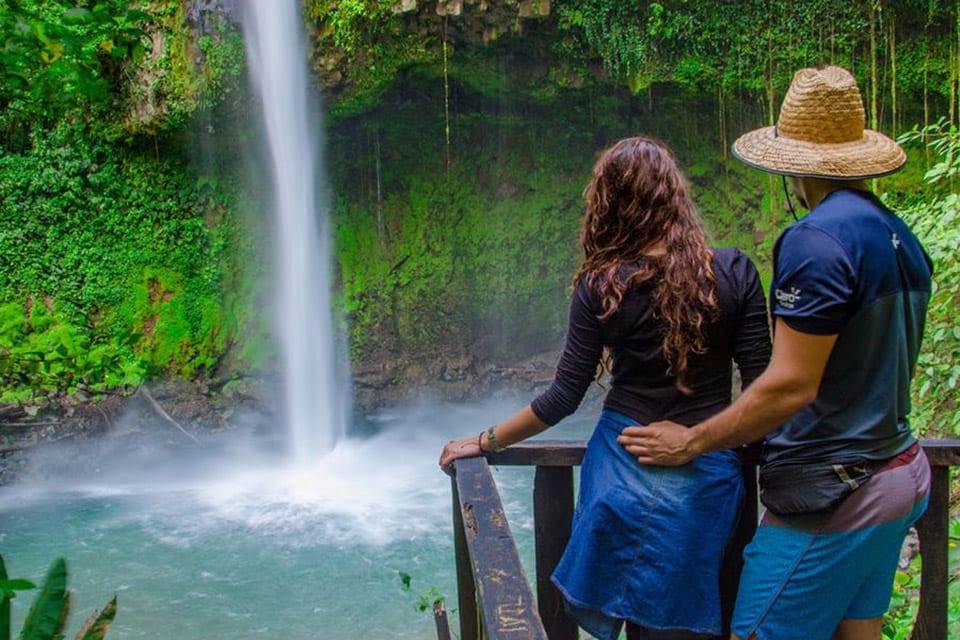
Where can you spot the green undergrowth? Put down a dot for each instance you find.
(114, 268)
(471, 245)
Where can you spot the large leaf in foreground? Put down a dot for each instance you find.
(49, 611)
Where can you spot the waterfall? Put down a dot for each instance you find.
(315, 396)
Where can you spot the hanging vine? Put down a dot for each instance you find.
(446, 96)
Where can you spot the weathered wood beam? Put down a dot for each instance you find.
(942, 453)
(506, 602)
(466, 587)
(932, 530)
(550, 453)
(440, 620)
(554, 460)
(561, 453)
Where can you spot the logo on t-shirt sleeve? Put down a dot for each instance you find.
(787, 299)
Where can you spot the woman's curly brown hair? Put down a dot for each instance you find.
(636, 198)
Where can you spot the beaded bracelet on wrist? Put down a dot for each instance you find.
(495, 446)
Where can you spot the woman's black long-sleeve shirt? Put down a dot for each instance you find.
(640, 387)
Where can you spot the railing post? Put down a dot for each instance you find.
(552, 514)
(932, 530)
(553, 507)
(505, 600)
(440, 620)
(732, 564)
(466, 585)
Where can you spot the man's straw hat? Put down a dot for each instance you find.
(821, 133)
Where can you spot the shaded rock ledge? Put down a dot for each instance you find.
(180, 410)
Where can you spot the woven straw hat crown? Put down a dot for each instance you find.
(820, 133)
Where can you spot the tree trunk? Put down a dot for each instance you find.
(926, 85)
(873, 65)
(721, 108)
(446, 97)
(893, 73)
(955, 73)
(381, 227)
(771, 117)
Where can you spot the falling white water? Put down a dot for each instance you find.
(314, 395)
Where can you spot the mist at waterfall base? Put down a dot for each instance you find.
(227, 541)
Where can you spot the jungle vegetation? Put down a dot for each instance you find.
(458, 137)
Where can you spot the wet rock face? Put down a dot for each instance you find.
(177, 409)
(452, 377)
(204, 13)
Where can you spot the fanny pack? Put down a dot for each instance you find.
(796, 489)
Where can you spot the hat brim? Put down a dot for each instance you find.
(872, 156)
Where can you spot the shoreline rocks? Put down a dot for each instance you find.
(179, 410)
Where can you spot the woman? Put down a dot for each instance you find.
(673, 314)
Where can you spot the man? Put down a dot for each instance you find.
(849, 296)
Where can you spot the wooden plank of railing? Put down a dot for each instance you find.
(569, 453)
(440, 620)
(550, 453)
(942, 453)
(552, 516)
(932, 529)
(505, 600)
(466, 586)
(933, 533)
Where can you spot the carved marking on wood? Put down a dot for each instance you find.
(511, 617)
(469, 521)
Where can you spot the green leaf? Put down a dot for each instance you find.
(77, 15)
(135, 15)
(10, 587)
(97, 624)
(18, 79)
(404, 580)
(45, 618)
(4, 606)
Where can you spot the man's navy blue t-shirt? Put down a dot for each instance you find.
(852, 268)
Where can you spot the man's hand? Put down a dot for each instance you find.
(660, 443)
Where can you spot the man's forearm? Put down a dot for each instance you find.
(769, 401)
(790, 382)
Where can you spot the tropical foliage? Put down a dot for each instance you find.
(936, 221)
(47, 616)
(459, 142)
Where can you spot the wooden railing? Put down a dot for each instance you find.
(495, 599)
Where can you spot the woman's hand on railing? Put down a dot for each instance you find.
(463, 448)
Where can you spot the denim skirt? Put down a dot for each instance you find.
(647, 541)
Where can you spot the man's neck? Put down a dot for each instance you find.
(816, 189)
